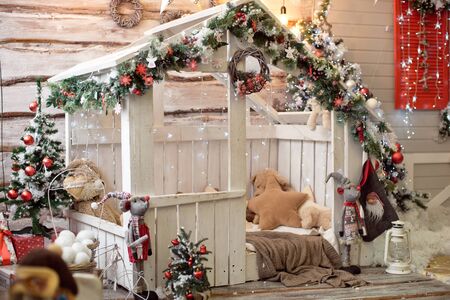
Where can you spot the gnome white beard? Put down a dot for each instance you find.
(375, 211)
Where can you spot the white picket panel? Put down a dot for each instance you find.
(221, 222)
(166, 230)
(150, 265)
(187, 218)
(206, 230)
(200, 165)
(284, 155)
(185, 168)
(224, 165)
(214, 164)
(273, 154)
(296, 164)
(158, 165)
(320, 174)
(170, 168)
(308, 165)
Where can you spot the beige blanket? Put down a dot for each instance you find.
(297, 260)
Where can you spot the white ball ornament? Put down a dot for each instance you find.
(68, 254)
(79, 247)
(372, 103)
(350, 84)
(94, 205)
(67, 233)
(81, 258)
(85, 235)
(64, 241)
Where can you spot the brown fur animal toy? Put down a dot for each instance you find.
(85, 185)
(273, 205)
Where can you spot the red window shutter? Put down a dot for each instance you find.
(426, 98)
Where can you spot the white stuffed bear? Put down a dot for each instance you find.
(316, 110)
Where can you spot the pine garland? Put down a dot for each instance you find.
(333, 82)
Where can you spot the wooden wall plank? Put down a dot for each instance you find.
(206, 229)
(308, 167)
(188, 218)
(150, 266)
(170, 168)
(273, 154)
(158, 173)
(185, 167)
(166, 230)
(221, 225)
(200, 165)
(214, 164)
(284, 154)
(296, 164)
(320, 174)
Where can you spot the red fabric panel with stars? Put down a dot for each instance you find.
(23, 244)
(410, 85)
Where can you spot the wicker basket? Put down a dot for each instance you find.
(89, 267)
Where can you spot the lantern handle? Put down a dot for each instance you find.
(409, 245)
(386, 245)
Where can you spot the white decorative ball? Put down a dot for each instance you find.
(350, 84)
(94, 205)
(68, 254)
(81, 258)
(372, 103)
(87, 242)
(79, 247)
(67, 233)
(64, 241)
(85, 235)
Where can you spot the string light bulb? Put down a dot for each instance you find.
(283, 16)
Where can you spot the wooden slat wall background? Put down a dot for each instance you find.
(367, 30)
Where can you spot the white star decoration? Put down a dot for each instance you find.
(437, 26)
(290, 53)
(409, 12)
(117, 108)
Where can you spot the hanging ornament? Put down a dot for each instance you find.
(198, 274)
(190, 261)
(175, 242)
(372, 103)
(47, 162)
(360, 132)
(189, 296)
(340, 191)
(28, 140)
(26, 195)
(364, 91)
(33, 106)
(168, 275)
(398, 146)
(30, 171)
(137, 92)
(13, 194)
(15, 167)
(397, 157)
(338, 102)
(203, 249)
(350, 84)
(394, 179)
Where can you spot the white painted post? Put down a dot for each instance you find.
(137, 160)
(338, 161)
(237, 178)
(68, 138)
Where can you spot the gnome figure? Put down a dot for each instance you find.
(353, 226)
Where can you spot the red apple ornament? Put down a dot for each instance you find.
(168, 275)
(364, 91)
(30, 171)
(397, 157)
(33, 106)
(26, 196)
(175, 242)
(203, 249)
(47, 162)
(28, 140)
(13, 194)
(189, 296)
(198, 274)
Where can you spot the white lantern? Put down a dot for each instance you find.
(397, 251)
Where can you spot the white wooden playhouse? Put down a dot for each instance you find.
(138, 153)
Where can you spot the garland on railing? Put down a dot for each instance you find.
(333, 82)
(430, 6)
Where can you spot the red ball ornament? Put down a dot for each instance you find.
(190, 262)
(28, 140)
(13, 194)
(175, 242)
(397, 157)
(364, 91)
(30, 171)
(398, 146)
(340, 190)
(47, 162)
(198, 274)
(189, 296)
(33, 106)
(203, 249)
(394, 180)
(168, 275)
(15, 167)
(26, 196)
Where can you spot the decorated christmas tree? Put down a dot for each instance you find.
(186, 275)
(35, 165)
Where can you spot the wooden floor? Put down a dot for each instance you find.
(381, 286)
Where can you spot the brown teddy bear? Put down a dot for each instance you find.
(85, 185)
